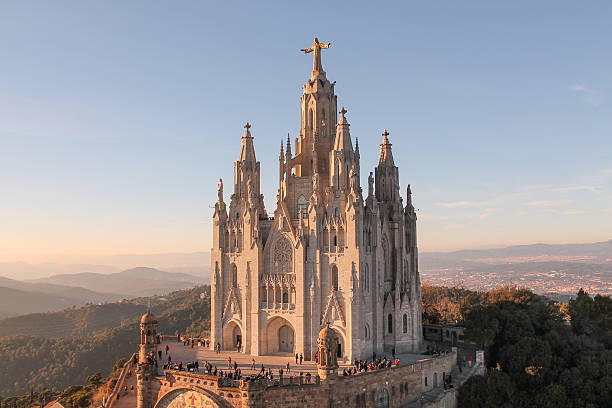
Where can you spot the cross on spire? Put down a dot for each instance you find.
(247, 126)
(386, 156)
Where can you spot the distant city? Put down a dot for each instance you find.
(558, 271)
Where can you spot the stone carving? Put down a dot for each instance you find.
(353, 178)
(316, 48)
(250, 189)
(220, 191)
(283, 256)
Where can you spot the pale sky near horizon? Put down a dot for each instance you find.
(118, 118)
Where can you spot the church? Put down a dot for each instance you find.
(330, 253)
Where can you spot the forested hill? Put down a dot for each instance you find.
(73, 344)
(534, 357)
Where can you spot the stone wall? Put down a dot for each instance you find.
(399, 385)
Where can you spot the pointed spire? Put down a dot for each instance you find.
(357, 146)
(247, 150)
(282, 151)
(343, 137)
(386, 156)
(288, 145)
(288, 158)
(409, 195)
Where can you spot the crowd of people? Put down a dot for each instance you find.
(233, 371)
(363, 366)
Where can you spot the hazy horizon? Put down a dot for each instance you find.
(193, 258)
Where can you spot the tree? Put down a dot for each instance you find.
(481, 325)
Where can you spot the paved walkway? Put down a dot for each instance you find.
(127, 399)
(186, 354)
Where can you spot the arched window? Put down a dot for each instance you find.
(334, 277)
(367, 278)
(312, 118)
(435, 382)
(367, 331)
(390, 323)
(285, 297)
(335, 240)
(234, 276)
(425, 381)
(405, 321)
(302, 206)
(337, 212)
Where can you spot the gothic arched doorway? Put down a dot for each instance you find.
(279, 336)
(285, 339)
(232, 336)
(341, 350)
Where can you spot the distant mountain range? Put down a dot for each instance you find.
(544, 268)
(133, 282)
(194, 263)
(67, 290)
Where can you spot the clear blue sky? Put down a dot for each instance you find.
(117, 118)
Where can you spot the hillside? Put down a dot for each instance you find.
(134, 282)
(83, 321)
(538, 353)
(18, 297)
(14, 302)
(97, 339)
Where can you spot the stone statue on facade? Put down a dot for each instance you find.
(353, 178)
(316, 48)
(220, 190)
(250, 189)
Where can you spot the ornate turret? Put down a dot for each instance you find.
(147, 360)
(328, 352)
(246, 168)
(387, 176)
(342, 157)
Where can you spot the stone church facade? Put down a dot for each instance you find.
(330, 253)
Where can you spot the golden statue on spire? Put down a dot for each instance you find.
(316, 48)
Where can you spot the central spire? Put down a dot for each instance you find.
(317, 68)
